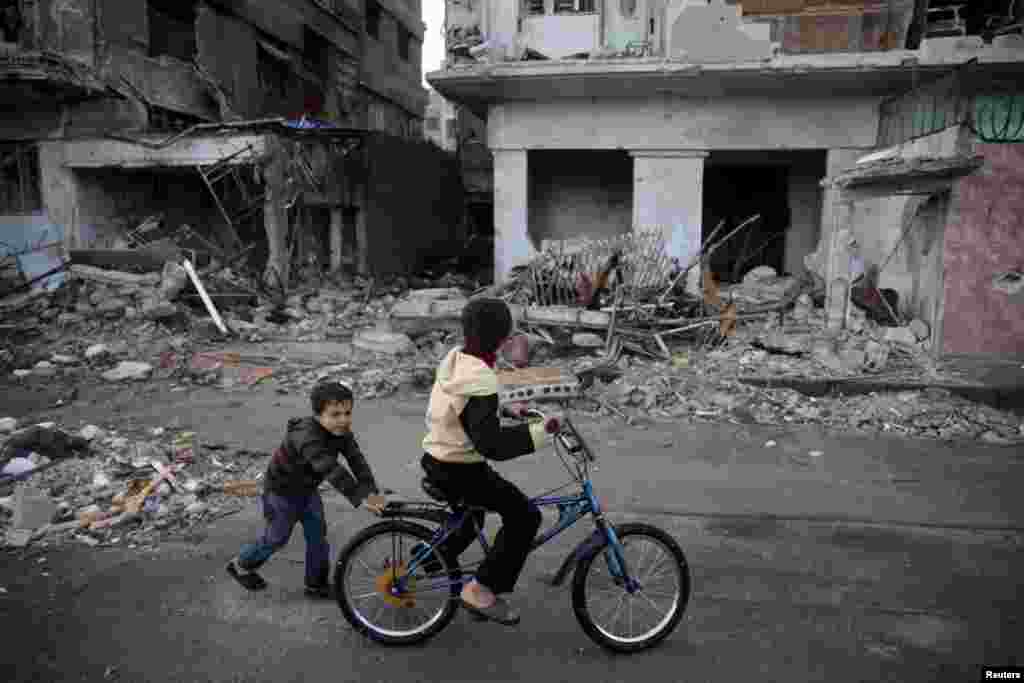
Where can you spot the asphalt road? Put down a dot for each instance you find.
(879, 559)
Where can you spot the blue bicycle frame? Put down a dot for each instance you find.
(571, 509)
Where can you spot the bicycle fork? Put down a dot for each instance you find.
(614, 554)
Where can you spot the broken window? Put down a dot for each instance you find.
(534, 6)
(373, 12)
(404, 40)
(172, 28)
(451, 129)
(19, 178)
(433, 124)
(10, 20)
(272, 72)
(574, 7)
(316, 53)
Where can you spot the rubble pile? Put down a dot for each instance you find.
(122, 326)
(120, 490)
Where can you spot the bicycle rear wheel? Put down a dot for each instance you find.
(624, 622)
(367, 569)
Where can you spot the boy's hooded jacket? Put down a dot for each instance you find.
(462, 417)
(309, 455)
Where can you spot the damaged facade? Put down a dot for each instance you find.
(285, 127)
(612, 117)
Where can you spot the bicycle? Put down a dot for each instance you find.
(413, 575)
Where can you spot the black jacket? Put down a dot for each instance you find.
(309, 455)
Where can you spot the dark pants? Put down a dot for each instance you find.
(478, 484)
(282, 513)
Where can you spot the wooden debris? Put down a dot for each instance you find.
(113, 277)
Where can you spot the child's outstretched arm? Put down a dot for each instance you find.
(480, 421)
(325, 461)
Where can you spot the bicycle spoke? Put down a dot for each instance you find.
(364, 596)
(649, 600)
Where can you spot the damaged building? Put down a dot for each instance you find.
(878, 140)
(284, 136)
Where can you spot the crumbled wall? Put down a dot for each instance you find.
(985, 236)
(413, 205)
(816, 26)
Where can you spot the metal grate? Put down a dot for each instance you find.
(550, 279)
(993, 109)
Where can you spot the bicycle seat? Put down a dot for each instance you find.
(435, 492)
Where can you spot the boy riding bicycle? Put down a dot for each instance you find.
(464, 433)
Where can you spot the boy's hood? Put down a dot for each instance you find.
(461, 374)
(304, 424)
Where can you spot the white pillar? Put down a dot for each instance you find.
(512, 245)
(337, 237)
(668, 193)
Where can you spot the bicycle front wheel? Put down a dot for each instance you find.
(364, 578)
(624, 622)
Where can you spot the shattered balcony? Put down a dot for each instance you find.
(35, 76)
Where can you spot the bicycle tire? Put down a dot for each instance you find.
(579, 590)
(349, 552)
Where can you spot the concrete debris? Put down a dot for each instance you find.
(96, 350)
(900, 335)
(588, 340)
(128, 371)
(91, 432)
(920, 328)
(380, 341)
(8, 425)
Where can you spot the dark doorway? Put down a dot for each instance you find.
(733, 193)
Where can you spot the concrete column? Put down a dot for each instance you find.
(668, 194)
(837, 278)
(337, 237)
(60, 193)
(361, 231)
(275, 218)
(512, 246)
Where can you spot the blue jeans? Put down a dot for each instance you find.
(281, 513)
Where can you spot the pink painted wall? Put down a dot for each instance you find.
(985, 235)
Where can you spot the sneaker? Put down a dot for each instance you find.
(249, 580)
(319, 592)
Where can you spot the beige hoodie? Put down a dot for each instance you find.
(460, 376)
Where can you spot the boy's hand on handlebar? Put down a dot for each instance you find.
(375, 503)
(552, 425)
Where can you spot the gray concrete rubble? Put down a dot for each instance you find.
(385, 339)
